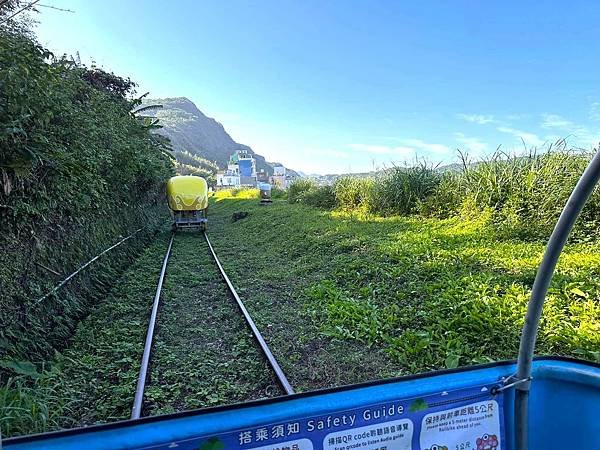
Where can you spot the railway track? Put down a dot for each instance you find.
(228, 290)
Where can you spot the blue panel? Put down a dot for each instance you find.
(564, 407)
(245, 166)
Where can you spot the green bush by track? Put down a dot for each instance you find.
(521, 195)
(77, 170)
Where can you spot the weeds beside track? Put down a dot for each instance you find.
(341, 297)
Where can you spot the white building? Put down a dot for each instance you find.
(228, 178)
(241, 171)
(278, 179)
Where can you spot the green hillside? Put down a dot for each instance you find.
(191, 131)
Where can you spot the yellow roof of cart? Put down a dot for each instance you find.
(187, 193)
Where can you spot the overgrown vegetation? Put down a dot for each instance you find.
(521, 195)
(308, 192)
(188, 164)
(239, 193)
(101, 365)
(340, 298)
(78, 169)
(406, 294)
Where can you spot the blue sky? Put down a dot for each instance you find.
(346, 86)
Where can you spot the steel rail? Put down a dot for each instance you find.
(281, 378)
(141, 383)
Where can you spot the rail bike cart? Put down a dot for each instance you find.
(265, 193)
(537, 404)
(188, 200)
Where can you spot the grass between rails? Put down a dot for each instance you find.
(204, 353)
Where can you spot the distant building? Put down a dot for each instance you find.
(241, 171)
(246, 166)
(228, 178)
(278, 177)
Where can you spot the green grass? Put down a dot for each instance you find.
(400, 295)
(23, 410)
(341, 297)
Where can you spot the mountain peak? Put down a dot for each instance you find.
(192, 131)
(182, 103)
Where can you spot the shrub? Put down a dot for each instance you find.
(77, 170)
(320, 197)
(401, 190)
(354, 193)
(299, 188)
(277, 193)
(306, 191)
(446, 200)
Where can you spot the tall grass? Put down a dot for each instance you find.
(395, 191)
(24, 405)
(523, 195)
(308, 192)
(352, 193)
(401, 191)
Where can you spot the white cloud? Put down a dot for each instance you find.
(480, 119)
(529, 138)
(384, 149)
(579, 134)
(556, 121)
(594, 113)
(426, 146)
(471, 144)
(409, 148)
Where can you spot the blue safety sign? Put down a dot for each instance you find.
(466, 419)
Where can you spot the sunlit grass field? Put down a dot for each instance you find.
(340, 298)
(429, 293)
